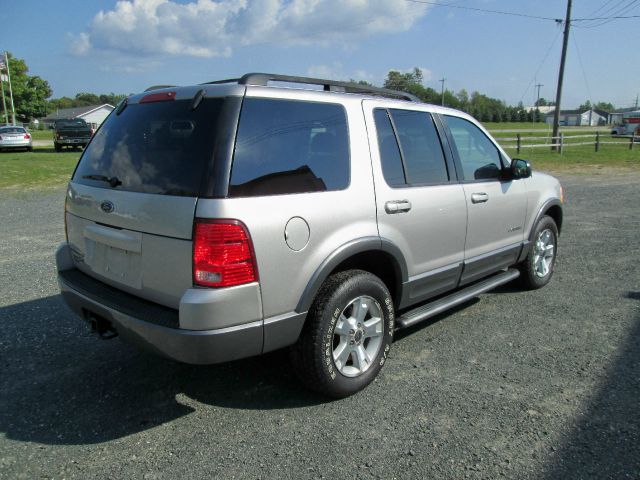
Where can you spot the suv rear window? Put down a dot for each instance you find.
(71, 123)
(289, 146)
(162, 148)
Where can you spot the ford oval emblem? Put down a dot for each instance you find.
(107, 206)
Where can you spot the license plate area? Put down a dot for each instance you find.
(114, 254)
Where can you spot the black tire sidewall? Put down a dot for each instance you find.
(359, 283)
(533, 280)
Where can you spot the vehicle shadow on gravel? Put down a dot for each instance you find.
(604, 443)
(62, 385)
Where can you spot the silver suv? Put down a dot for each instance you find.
(219, 221)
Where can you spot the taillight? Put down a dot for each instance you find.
(222, 254)
(91, 132)
(27, 136)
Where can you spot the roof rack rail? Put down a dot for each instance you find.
(263, 79)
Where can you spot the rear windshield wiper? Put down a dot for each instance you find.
(113, 181)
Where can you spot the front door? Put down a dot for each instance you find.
(496, 205)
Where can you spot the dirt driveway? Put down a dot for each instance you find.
(541, 384)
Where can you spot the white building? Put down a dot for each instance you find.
(94, 115)
(578, 118)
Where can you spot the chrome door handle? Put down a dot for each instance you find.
(397, 206)
(479, 197)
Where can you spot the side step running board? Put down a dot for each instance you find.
(429, 310)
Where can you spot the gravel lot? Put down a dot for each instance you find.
(541, 384)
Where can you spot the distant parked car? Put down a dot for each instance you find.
(71, 132)
(14, 137)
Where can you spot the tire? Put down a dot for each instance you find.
(57, 146)
(342, 347)
(537, 269)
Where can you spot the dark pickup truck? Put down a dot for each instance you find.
(73, 132)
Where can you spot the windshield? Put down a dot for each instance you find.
(162, 148)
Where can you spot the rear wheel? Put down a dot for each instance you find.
(57, 146)
(537, 269)
(347, 336)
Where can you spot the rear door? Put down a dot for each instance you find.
(420, 205)
(131, 202)
(496, 205)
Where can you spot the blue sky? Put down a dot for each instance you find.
(123, 47)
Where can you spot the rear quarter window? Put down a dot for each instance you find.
(289, 146)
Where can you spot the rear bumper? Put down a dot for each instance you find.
(7, 144)
(155, 328)
(72, 141)
(188, 346)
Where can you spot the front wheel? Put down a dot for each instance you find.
(537, 268)
(347, 336)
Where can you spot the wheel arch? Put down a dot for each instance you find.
(377, 256)
(553, 208)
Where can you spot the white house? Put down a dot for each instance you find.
(94, 115)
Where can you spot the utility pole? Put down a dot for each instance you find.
(4, 103)
(536, 114)
(538, 86)
(442, 81)
(636, 106)
(563, 58)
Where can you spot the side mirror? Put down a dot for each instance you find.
(520, 168)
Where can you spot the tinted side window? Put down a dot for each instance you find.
(288, 146)
(479, 156)
(389, 151)
(424, 160)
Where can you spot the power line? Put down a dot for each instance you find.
(615, 16)
(600, 8)
(584, 75)
(483, 10)
(613, 13)
(605, 18)
(544, 59)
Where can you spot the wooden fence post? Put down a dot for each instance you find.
(518, 143)
(561, 143)
(597, 141)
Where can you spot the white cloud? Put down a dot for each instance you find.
(335, 71)
(207, 28)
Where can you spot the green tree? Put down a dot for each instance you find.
(85, 99)
(606, 106)
(351, 80)
(30, 93)
(585, 106)
(411, 82)
(463, 98)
